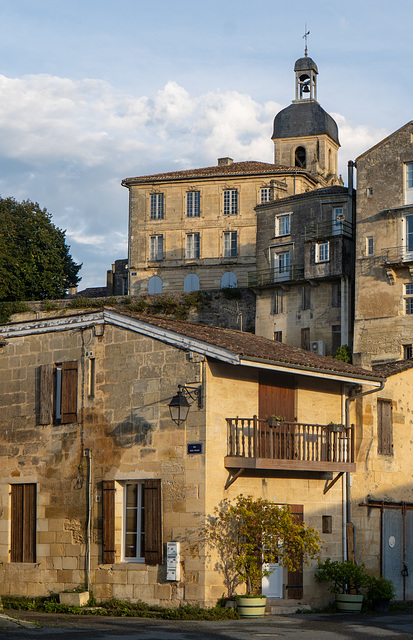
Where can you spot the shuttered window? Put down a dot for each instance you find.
(141, 523)
(384, 427)
(23, 523)
(58, 393)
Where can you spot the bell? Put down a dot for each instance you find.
(306, 88)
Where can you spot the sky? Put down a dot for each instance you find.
(95, 91)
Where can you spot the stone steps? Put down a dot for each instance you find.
(282, 606)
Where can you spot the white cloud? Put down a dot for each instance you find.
(68, 144)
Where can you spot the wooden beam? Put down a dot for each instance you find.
(328, 485)
(232, 478)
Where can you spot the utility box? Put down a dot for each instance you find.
(173, 561)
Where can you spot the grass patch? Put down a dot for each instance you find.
(119, 608)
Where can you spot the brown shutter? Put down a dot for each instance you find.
(384, 427)
(69, 392)
(23, 523)
(46, 394)
(295, 578)
(153, 521)
(108, 521)
(16, 523)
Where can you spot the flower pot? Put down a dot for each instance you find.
(382, 605)
(349, 602)
(253, 607)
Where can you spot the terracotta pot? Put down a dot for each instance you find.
(253, 607)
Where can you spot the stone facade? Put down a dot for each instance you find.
(384, 250)
(120, 433)
(304, 296)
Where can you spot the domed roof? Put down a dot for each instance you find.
(305, 64)
(304, 118)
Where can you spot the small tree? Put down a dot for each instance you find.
(252, 533)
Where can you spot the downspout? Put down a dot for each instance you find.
(343, 482)
(88, 453)
(354, 394)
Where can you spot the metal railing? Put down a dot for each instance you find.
(328, 228)
(264, 277)
(396, 255)
(295, 441)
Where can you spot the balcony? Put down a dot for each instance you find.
(328, 228)
(292, 446)
(266, 277)
(396, 256)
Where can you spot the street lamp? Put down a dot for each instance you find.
(181, 402)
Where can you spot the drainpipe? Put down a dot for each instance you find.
(354, 394)
(88, 454)
(343, 483)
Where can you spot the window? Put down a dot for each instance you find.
(156, 247)
(278, 336)
(230, 244)
(230, 202)
(305, 339)
(408, 299)
(369, 245)
(407, 351)
(322, 252)
(408, 237)
(157, 206)
(409, 183)
(338, 219)
(278, 301)
(336, 294)
(281, 266)
(306, 297)
(327, 524)
(282, 225)
(265, 195)
(384, 427)
(191, 282)
(192, 246)
(58, 393)
(23, 523)
(141, 531)
(154, 285)
(300, 157)
(91, 377)
(193, 204)
(229, 280)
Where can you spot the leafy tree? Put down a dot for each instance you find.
(343, 353)
(35, 262)
(252, 533)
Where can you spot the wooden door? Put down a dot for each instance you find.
(276, 398)
(295, 578)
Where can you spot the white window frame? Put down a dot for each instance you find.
(338, 225)
(322, 252)
(156, 248)
(230, 204)
(265, 194)
(282, 265)
(408, 183)
(230, 244)
(192, 246)
(407, 237)
(369, 245)
(157, 206)
(193, 204)
(283, 225)
(408, 299)
(140, 523)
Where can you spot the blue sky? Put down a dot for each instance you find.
(96, 91)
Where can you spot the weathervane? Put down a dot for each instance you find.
(305, 36)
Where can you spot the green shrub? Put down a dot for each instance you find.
(7, 309)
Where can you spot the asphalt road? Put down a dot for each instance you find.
(298, 627)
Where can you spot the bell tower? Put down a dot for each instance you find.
(305, 136)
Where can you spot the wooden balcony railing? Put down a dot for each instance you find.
(254, 444)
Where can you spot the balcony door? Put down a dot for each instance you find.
(408, 238)
(276, 398)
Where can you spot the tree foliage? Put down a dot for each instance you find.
(252, 533)
(35, 262)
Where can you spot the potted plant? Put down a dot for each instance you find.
(275, 421)
(249, 535)
(379, 592)
(346, 579)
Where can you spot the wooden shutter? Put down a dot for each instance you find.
(108, 521)
(46, 394)
(305, 339)
(384, 427)
(23, 523)
(69, 392)
(153, 521)
(295, 578)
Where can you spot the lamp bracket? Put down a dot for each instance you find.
(192, 393)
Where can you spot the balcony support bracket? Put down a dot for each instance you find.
(328, 485)
(233, 477)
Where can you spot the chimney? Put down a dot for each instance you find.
(222, 162)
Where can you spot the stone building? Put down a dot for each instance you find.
(383, 327)
(196, 229)
(305, 269)
(96, 477)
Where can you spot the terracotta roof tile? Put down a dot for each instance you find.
(328, 191)
(249, 167)
(249, 345)
(391, 368)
